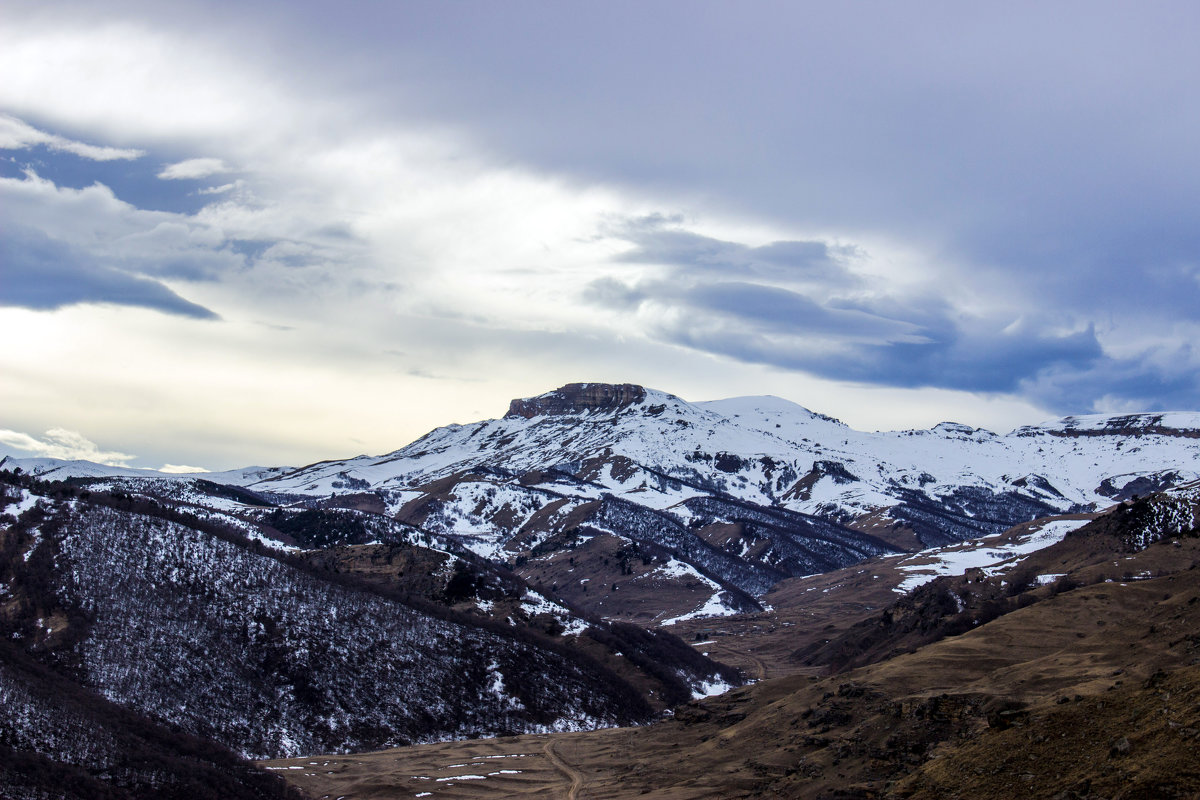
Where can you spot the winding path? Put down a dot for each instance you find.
(575, 776)
(760, 668)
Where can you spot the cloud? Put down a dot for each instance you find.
(792, 313)
(16, 134)
(1162, 377)
(43, 274)
(64, 444)
(67, 246)
(193, 169)
(877, 214)
(814, 307)
(788, 288)
(222, 189)
(656, 241)
(980, 360)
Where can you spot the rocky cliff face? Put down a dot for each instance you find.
(575, 398)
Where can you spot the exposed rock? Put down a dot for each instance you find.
(802, 489)
(577, 397)
(1139, 486)
(1127, 425)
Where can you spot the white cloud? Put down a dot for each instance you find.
(64, 444)
(193, 168)
(116, 234)
(349, 236)
(222, 189)
(16, 134)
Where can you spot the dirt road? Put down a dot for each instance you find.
(572, 774)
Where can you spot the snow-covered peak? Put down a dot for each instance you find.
(55, 468)
(766, 407)
(633, 441)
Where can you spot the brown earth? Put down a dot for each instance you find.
(1141, 741)
(404, 568)
(613, 578)
(808, 612)
(511, 766)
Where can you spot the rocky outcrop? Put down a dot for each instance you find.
(575, 398)
(1124, 425)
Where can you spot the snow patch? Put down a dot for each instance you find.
(710, 688)
(715, 606)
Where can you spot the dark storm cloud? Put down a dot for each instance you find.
(978, 360)
(771, 326)
(772, 309)
(40, 273)
(725, 298)
(1160, 378)
(655, 243)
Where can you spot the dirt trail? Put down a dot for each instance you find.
(737, 653)
(760, 669)
(575, 776)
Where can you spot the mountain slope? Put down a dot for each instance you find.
(185, 621)
(60, 740)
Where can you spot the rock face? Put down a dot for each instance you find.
(1122, 425)
(575, 398)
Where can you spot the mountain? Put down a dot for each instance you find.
(637, 505)
(59, 739)
(155, 628)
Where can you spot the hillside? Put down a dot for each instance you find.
(182, 621)
(1086, 685)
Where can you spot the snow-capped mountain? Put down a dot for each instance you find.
(474, 581)
(633, 489)
(659, 451)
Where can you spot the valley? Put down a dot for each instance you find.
(1088, 690)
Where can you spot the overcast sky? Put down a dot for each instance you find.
(236, 233)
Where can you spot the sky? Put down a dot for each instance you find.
(273, 233)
